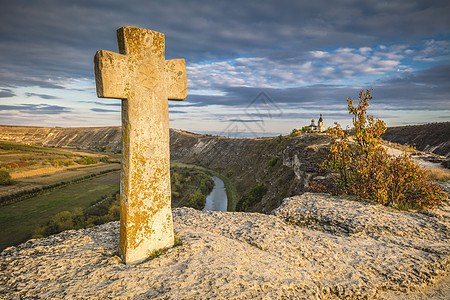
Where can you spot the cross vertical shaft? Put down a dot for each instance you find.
(144, 80)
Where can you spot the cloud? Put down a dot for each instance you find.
(434, 51)
(58, 39)
(42, 96)
(332, 66)
(6, 93)
(36, 109)
(304, 54)
(21, 80)
(101, 110)
(243, 121)
(117, 103)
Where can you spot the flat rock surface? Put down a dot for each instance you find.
(314, 246)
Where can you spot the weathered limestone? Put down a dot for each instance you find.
(144, 80)
(332, 248)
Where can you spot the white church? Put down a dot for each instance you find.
(319, 127)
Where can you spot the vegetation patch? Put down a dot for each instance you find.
(230, 188)
(162, 251)
(190, 187)
(87, 160)
(105, 210)
(249, 199)
(19, 220)
(5, 178)
(441, 175)
(36, 191)
(361, 166)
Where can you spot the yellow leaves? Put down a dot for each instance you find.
(365, 169)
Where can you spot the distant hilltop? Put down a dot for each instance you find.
(109, 138)
(432, 138)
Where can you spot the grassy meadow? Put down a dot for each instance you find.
(50, 183)
(19, 220)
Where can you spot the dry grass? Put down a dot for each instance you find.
(68, 174)
(35, 172)
(436, 174)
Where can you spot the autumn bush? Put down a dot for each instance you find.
(361, 166)
(87, 160)
(5, 178)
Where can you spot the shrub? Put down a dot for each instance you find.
(196, 200)
(275, 162)
(87, 160)
(114, 212)
(105, 159)
(365, 169)
(295, 132)
(206, 185)
(249, 199)
(306, 129)
(5, 178)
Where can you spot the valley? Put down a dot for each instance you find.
(50, 164)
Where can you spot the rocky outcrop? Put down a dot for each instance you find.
(314, 247)
(432, 138)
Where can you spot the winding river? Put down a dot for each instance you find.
(217, 199)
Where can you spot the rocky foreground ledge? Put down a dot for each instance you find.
(313, 247)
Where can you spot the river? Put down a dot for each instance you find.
(217, 199)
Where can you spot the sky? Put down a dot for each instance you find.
(254, 68)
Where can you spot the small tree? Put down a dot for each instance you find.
(5, 178)
(295, 132)
(361, 166)
(306, 129)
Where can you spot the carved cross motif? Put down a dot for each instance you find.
(144, 80)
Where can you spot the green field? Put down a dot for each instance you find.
(18, 220)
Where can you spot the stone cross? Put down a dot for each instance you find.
(144, 80)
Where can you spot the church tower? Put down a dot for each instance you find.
(320, 126)
(313, 126)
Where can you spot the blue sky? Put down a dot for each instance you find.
(254, 67)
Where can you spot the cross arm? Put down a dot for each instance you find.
(109, 77)
(177, 80)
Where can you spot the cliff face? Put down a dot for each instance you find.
(433, 138)
(76, 137)
(314, 247)
(283, 165)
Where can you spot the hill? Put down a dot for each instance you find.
(86, 138)
(432, 138)
(280, 166)
(266, 170)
